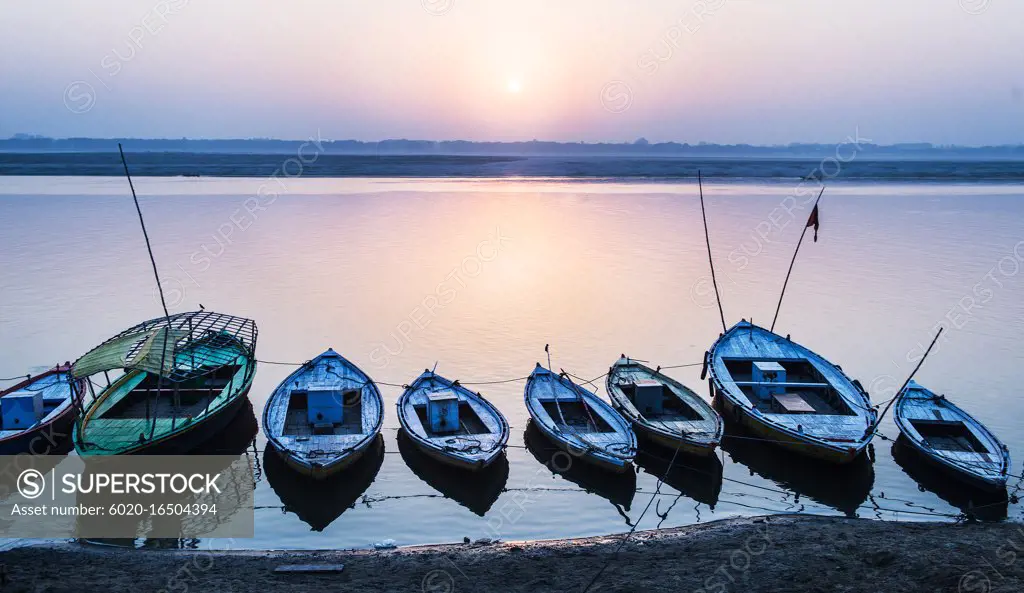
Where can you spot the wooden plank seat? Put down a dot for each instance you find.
(792, 403)
(786, 384)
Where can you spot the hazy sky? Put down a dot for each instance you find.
(757, 71)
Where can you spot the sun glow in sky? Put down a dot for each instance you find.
(728, 71)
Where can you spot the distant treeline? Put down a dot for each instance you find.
(307, 162)
(641, 148)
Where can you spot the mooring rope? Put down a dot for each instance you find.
(680, 366)
(632, 530)
(480, 382)
(496, 382)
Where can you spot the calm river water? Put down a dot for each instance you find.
(478, 275)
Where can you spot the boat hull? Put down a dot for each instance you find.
(952, 471)
(321, 471)
(618, 488)
(53, 438)
(607, 464)
(458, 462)
(687, 446)
(783, 438)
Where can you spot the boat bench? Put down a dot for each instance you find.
(792, 403)
(788, 385)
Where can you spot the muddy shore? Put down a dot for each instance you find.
(776, 554)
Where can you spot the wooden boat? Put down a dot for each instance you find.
(951, 439)
(184, 378)
(38, 413)
(323, 416)
(787, 395)
(578, 421)
(477, 494)
(672, 415)
(452, 424)
(318, 503)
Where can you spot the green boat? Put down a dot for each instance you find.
(182, 380)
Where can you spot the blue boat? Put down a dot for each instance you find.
(324, 416)
(663, 410)
(788, 395)
(579, 422)
(452, 424)
(39, 412)
(951, 438)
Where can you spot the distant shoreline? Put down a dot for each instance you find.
(307, 162)
(777, 553)
(844, 149)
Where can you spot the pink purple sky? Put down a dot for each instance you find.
(727, 71)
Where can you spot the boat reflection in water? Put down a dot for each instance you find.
(318, 503)
(617, 487)
(699, 478)
(11, 471)
(842, 487)
(974, 502)
(477, 491)
(237, 437)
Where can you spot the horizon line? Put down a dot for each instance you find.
(638, 143)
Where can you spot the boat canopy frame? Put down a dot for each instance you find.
(168, 346)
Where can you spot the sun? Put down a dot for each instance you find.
(514, 86)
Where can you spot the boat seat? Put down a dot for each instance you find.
(792, 403)
(788, 384)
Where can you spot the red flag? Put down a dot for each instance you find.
(813, 221)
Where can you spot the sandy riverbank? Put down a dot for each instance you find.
(777, 554)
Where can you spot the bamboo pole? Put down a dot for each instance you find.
(711, 262)
(793, 261)
(907, 382)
